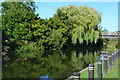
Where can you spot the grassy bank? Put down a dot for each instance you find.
(112, 73)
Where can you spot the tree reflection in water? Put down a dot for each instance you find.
(55, 65)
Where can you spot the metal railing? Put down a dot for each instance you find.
(109, 61)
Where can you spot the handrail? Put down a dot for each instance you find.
(72, 77)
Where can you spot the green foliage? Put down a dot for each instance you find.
(111, 46)
(88, 58)
(16, 19)
(56, 39)
(29, 35)
(54, 60)
(58, 33)
(22, 31)
(78, 34)
(16, 23)
(118, 45)
(73, 59)
(96, 56)
(40, 29)
(26, 69)
(30, 50)
(52, 38)
(82, 22)
(76, 62)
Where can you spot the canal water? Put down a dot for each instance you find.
(55, 64)
(58, 64)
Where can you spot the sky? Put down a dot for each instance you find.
(109, 11)
(63, 0)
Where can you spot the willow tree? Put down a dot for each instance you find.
(82, 23)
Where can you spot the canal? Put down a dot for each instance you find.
(57, 64)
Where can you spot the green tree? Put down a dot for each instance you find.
(58, 34)
(16, 20)
(30, 50)
(82, 23)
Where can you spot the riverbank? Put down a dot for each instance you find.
(112, 73)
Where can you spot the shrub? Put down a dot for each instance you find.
(30, 50)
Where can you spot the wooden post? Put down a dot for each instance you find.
(112, 59)
(77, 75)
(114, 56)
(99, 70)
(110, 62)
(117, 53)
(105, 65)
(91, 72)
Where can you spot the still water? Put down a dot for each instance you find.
(55, 64)
(58, 64)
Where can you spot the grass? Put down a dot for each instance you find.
(112, 73)
(85, 73)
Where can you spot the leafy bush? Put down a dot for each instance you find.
(30, 50)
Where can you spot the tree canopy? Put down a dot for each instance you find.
(17, 18)
(69, 25)
(82, 22)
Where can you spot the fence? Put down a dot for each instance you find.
(108, 63)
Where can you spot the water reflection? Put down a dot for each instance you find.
(55, 65)
(45, 77)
